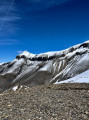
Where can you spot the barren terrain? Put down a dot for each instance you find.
(54, 102)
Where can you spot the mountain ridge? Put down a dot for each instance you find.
(46, 68)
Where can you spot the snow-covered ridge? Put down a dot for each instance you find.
(68, 53)
(27, 54)
(46, 68)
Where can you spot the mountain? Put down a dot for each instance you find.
(46, 68)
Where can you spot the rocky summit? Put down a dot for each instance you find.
(46, 68)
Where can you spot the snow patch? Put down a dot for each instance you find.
(81, 78)
(27, 54)
(16, 65)
(47, 67)
(1, 63)
(15, 88)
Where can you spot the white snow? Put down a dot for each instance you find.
(84, 58)
(16, 65)
(80, 50)
(28, 54)
(47, 67)
(86, 41)
(1, 63)
(81, 78)
(15, 88)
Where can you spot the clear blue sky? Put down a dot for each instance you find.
(41, 25)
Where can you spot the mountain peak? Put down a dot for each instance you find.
(25, 54)
(45, 68)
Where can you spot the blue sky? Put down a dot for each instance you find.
(41, 25)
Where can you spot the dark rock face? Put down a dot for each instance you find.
(84, 45)
(47, 68)
(18, 57)
(10, 64)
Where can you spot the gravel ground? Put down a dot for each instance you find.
(54, 102)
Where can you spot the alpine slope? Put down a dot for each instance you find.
(70, 65)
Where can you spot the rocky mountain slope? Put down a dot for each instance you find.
(57, 102)
(46, 68)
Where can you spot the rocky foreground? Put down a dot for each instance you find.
(54, 102)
